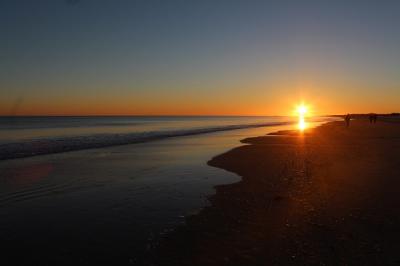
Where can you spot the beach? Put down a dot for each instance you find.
(199, 133)
(326, 196)
(110, 206)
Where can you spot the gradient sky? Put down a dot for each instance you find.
(70, 57)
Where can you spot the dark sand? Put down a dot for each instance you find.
(330, 196)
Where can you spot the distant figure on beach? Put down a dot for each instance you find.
(372, 118)
(347, 119)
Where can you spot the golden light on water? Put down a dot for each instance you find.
(302, 124)
(301, 112)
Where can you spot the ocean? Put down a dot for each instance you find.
(112, 204)
(29, 136)
(25, 128)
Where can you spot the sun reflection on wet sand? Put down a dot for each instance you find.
(301, 111)
(302, 125)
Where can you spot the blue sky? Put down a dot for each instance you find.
(198, 57)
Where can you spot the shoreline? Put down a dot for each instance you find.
(310, 198)
(45, 146)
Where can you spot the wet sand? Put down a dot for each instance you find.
(329, 196)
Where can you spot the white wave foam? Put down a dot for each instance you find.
(64, 144)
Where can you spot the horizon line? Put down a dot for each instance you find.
(153, 115)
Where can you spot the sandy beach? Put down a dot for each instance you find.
(328, 196)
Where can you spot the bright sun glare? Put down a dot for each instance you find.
(302, 111)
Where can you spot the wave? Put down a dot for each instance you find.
(44, 146)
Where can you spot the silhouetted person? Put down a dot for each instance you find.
(372, 118)
(347, 120)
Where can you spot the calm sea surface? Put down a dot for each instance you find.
(14, 129)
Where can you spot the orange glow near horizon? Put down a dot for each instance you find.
(192, 104)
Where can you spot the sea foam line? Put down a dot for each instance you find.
(64, 144)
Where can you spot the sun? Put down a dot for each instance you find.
(302, 109)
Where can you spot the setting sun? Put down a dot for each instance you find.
(302, 110)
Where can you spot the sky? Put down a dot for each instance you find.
(180, 57)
